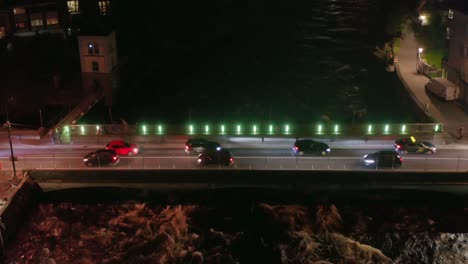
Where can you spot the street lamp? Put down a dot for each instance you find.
(420, 50)
(12, 157)
(8, 125)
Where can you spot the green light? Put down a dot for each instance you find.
(254, 129)
(207, 129)
(67, 129)
(369, 129)
(436, 128)
(82, 129)
(386, 129)
(336, 129)
(403, 129)
(222, 129)
(286, 129)
(238, 129)
(160, 129)
(319, 129)
(144, 129)
(270, 129)
(190, 129)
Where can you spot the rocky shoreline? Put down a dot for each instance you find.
(236, 226)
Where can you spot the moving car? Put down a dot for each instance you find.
(123, 148)
(309, 146)
(382, 158)
(219, 158)
(101, 157)
(410, 145)
(201, 145)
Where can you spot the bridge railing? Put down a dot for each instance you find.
(410, 163)
(252, 129)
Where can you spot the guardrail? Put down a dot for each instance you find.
(413, 163)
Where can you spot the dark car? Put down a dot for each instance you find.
(410, 145)
(201, 145)
(309, 146)
(101, 157)
(123, 148)
(219, 158)
(383, 158)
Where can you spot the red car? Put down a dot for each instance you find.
(123, 148)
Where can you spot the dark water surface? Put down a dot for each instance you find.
(243, 61)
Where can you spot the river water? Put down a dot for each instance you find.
(253, 61)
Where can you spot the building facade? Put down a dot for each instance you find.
(99, 64)
(456, 68)
(29, 17)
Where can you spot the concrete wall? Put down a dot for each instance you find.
(295, 180)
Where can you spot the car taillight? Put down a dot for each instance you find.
(398, 146)
(231, 160)
(186, 147)
(295, 148)
(114, 158)
(135, 150)
(199, 160)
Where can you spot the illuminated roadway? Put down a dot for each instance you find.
(255, 155)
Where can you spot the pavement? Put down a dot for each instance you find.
(449, 114)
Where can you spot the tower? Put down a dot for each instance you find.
(99, 71)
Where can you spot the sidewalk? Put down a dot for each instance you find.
(448, 114)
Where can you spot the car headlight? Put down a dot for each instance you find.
(365, 156)
(85, 160)
(199, 160)
(369, 161)
(328, 149)
(218, 148)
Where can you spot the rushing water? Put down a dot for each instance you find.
(243, 60)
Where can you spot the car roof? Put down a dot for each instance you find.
(305, 140)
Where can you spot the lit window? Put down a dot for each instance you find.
(93, 48)
(52, 18)
(19, 11)
(37, 23)
(95, 66)
(52, 21)
(36, 20)
(20, 25)
(104, 7)
(73, 7)
(450, 14)
(2, 32)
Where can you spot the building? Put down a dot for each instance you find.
(456, 68)
(98, 58)
(30, 17)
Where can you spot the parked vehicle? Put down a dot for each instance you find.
(309, 146)
(101, 157)
(410, 145)
(219, 158)
(123, 148)
(442, 88)
(201, 145)
(382, 158)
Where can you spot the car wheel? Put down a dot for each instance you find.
(87, 164)
(429, 152)
(130, 153)
(301, 153)
(323, 153)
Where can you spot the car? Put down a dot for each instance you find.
(310, 146)
(410, 145)
(218, 158)
(201, 145)
(383, 158)
(123, 147)
(101, 157)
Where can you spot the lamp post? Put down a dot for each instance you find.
(8, 125)
(420, 50)
(12, 157)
